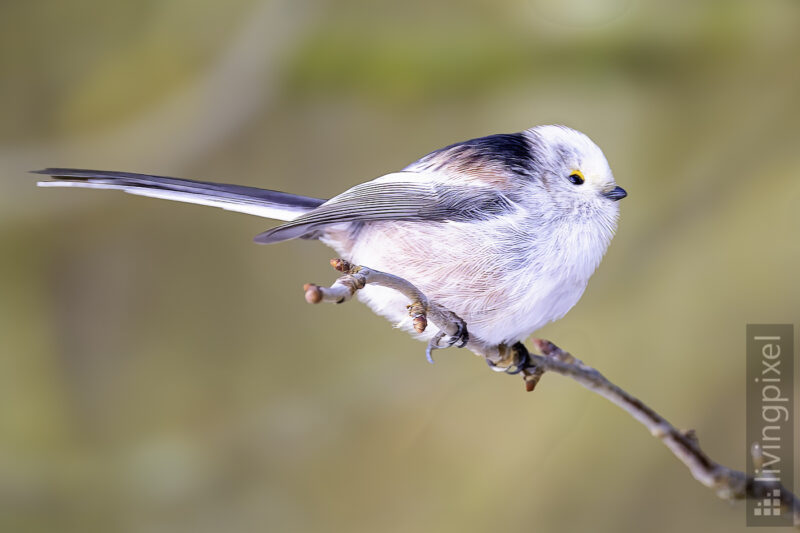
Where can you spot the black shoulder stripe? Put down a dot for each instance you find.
(511, 151)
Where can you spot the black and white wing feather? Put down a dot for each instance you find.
(404, 196)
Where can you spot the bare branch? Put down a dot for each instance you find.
(356, 277)
(727, 483)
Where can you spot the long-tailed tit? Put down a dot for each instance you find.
(503, 230)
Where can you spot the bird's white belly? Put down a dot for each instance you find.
(502, 297)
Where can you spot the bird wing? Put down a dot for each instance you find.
(409, 196)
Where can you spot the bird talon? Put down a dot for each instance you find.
(518, 358)
(459, 340)
(433, 344)
(462, 335)
(429, 353)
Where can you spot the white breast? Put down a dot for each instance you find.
(504, 279)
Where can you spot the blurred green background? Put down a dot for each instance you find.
(159, 372)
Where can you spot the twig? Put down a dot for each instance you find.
(356, 277)
(727, 483)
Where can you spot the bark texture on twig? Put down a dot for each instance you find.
(727, 483)
(356, 277)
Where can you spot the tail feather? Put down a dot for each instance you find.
(250, 200)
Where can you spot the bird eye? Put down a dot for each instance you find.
(576, 178)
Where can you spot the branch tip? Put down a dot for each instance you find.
(313, 293)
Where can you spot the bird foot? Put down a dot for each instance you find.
(512, 359)
(452, 329)
(452, 332)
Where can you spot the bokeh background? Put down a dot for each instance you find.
(159, 372)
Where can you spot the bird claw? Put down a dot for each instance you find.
(514, 362)
(459, 339)
(432, 345)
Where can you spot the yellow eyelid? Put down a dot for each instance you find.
(577, 176)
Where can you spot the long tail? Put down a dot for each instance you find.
(250, 200)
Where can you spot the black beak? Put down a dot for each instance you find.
(617, 193)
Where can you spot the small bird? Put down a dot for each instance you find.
(503, 230)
